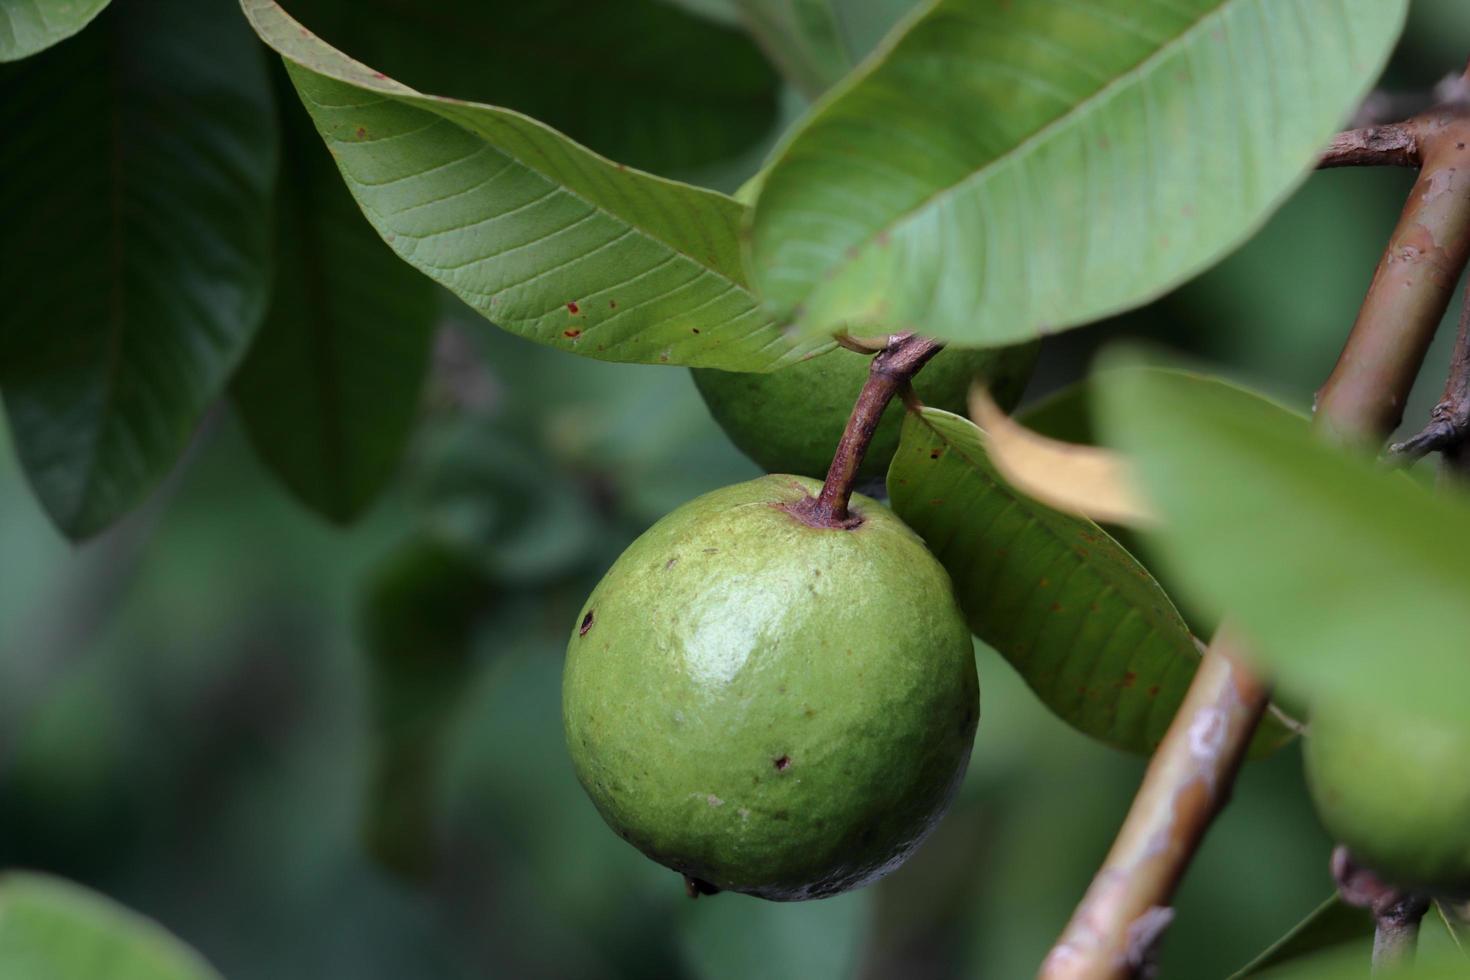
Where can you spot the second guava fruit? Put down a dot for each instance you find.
(1397, 794)
(768, 706)
(789, 421)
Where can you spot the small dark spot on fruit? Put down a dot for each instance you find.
(712, 551)
(694, 329)
(671, 563)
(586, 624)
(782, 764)
(573, 333)
(934, 454)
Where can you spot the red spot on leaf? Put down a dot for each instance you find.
(1129, 678)
(573, 308)
(573, 333)
(361, 133)
(1153, 691)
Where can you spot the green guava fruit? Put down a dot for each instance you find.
(767, 706)
(1398, 795)
(789, 421)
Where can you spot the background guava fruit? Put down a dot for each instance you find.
(1398, 795)
(767, 706)
(790, 421)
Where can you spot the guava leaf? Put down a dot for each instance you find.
(51, 929)
(1006, 170)
(29, 26)
(639, 80)
(135, 254)
(330, 389)
(1348, 580)
(1084, 624)
(536, 233)
(1332, 923)
(817, 42)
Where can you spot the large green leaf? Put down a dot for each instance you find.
(139, 159)
(1010, 169)
(1349, 581)
(1332, 923)
(538, 234)
(28, 26)
(330, 389)
(53, 930)
(1086, 626)
(637, 80)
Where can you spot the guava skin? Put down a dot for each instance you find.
(770, 707)
(1397, 795)
(789, 421)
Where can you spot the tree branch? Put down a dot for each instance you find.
(1187, 782)
(889, 373)
(1394, 145)
(1449, 421)
(1112, 931)
(1365, 394)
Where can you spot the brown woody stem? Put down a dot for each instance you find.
(1448, 429)
(1396, 913)
(889, 373)
(1113, 930)
(1364, 397)
(1394, 145)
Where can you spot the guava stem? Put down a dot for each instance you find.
(1396, 913)
(1111, 932)
(890, 372)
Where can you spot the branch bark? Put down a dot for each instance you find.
(889, 373)
(1112, 933)
(1364, 397)
(1394, 145)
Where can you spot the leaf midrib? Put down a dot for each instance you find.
(1079, 111)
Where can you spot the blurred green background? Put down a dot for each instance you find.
(190, 720)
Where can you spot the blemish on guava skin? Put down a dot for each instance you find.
(782, 763)
(671, 563)
(714, 800)
(586, 624)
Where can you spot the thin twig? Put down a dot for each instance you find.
(889, 373)
(1111, 933)
(1394, 145)
(1449, 420)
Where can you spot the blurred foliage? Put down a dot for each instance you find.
(187, 719)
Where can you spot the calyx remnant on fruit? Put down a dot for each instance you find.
(767, 706)
(1396, 793)
(789, 421)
